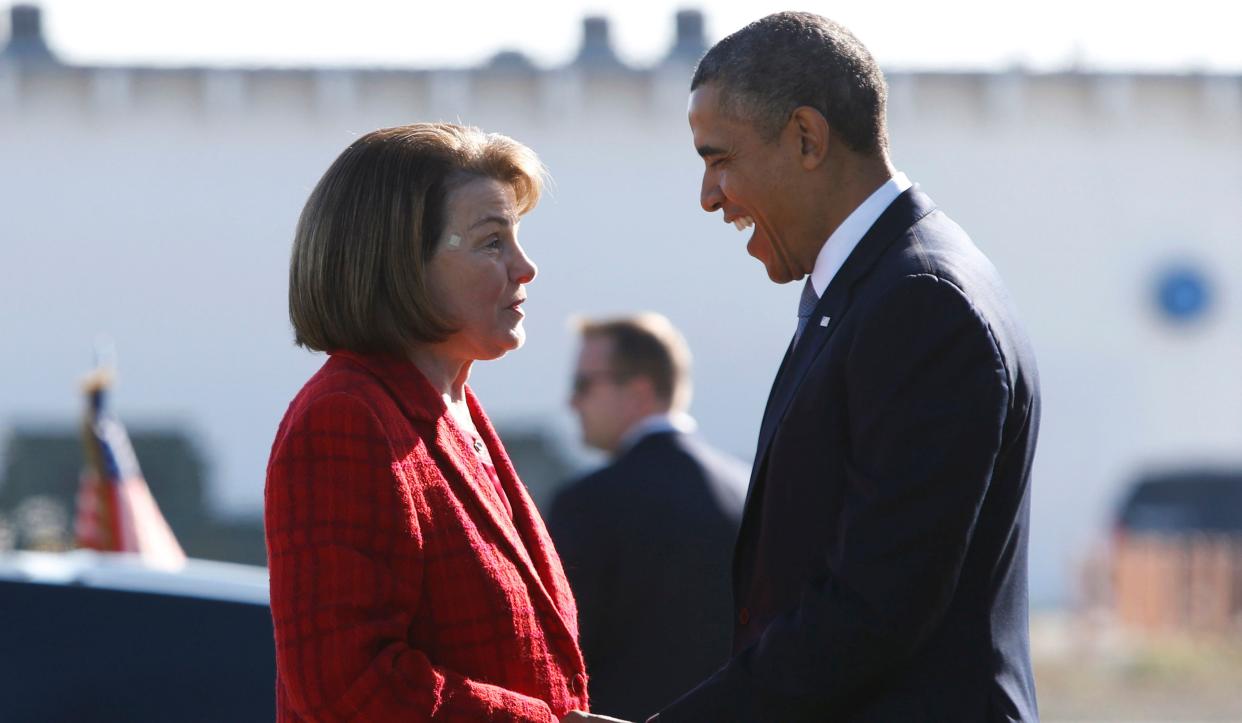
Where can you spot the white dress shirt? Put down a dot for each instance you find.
(841, 243)
(655, 424)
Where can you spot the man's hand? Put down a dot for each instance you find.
(577, 716)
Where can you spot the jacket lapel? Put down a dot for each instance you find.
(767, 412)
(531, 535)
(457, 462)
(906, 210)
(481, 499)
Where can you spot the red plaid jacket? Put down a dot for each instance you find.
(401, 588)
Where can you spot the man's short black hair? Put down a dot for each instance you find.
(786, 60)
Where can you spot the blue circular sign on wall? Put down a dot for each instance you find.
(1183, 293)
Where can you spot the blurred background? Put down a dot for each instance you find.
(154, 157)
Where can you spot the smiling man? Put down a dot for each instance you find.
(880, 572)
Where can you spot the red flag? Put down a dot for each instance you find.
(116, 512)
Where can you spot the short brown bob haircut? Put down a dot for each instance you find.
(358, 273)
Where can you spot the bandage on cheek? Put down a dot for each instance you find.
(454, 241)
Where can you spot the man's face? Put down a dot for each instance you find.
(748, 178)
(599, 398)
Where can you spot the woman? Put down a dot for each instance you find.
(411, 576)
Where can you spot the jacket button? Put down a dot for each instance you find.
(743, 616)
(577, 684)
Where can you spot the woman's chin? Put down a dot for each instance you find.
(512, 340)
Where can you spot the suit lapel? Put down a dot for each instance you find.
(906, 210)
(767, 412)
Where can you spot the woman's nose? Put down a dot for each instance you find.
(524, 269)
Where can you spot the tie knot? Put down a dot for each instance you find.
(806, 304)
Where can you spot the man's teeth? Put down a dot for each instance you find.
(743, 222)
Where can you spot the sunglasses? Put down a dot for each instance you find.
(583, 381)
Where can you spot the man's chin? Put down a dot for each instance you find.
(778, 273)
(593, 442)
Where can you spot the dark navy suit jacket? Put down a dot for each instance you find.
(647, 544)
(880, 573)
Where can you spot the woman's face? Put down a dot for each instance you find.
(479, 272)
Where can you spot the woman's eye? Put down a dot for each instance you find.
(492, 243)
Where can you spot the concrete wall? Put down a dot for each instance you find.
(158, 206)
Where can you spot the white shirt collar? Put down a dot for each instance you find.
(655, 424)
(841, 243)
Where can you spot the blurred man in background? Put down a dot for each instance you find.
(647, 541)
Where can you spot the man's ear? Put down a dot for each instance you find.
(813, 136)
(641, 387)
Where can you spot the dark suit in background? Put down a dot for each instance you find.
(647, 543)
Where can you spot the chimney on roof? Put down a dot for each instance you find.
(596, 51)
(691, 42)
(26, 42)
(511, 60)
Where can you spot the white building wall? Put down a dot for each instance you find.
(158, 206)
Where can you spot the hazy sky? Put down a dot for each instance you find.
(1042, 34)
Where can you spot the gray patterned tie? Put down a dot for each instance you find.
(806, 304)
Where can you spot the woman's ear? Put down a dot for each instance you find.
(813, 136)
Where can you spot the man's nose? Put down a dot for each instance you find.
(710, 195)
